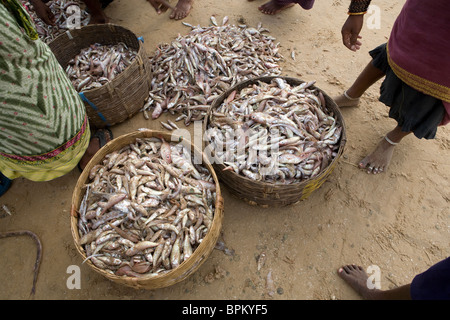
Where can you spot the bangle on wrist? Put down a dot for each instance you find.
(356, 13)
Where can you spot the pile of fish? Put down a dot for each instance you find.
(193, 70)
(274, 132)
(99, 64)
(146, 208)
(63, 10)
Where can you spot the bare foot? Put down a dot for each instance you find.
(356, 277)
(272, 7)
(98, 140)
(379, 159)
(182, 9)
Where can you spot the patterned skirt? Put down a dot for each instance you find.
(44, 130)
(414, 111)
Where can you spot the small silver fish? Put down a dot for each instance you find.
(141, 214)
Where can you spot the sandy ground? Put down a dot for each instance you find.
(398, 221)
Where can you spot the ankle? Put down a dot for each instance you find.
(344, 100)
(351, 96)
(391, 142)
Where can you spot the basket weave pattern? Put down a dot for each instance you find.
(120, 98)
(187, 267)
(267, 194)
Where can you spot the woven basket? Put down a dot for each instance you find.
(187, 267)
(120, 98)
(267, 194)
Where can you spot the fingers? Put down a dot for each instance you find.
(350, 32)
(355, 44)
(352, 42)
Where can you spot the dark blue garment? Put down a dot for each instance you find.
(433, 284)
(5, 183)
(414, 111)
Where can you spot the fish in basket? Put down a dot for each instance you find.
(273, 140)
(144, 213)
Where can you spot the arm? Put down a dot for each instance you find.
(353, 25)
(43, 11)
(97, 14)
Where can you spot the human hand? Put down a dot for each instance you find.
(43, 12)
(350, 32)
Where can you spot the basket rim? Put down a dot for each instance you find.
(110, 84)
(90, 26)
(244, 83)
(120, 98)
(197, 253)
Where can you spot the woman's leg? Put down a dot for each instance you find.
(364, 81)
(98, 140)
(379, 159)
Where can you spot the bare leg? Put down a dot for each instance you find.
(96, 11)
(160, 6)
(182, 9)
(94, 146)
(365, 80)
(356, 277)
(272, 7)
(379, 159)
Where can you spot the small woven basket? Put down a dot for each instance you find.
(187, 267)
(120, 98)
(267, 194)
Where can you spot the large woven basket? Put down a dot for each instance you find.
(266, 194)
(125, 95)
(187, 267)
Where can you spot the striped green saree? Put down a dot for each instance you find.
(44, 130)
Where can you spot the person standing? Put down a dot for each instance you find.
(415, 66)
